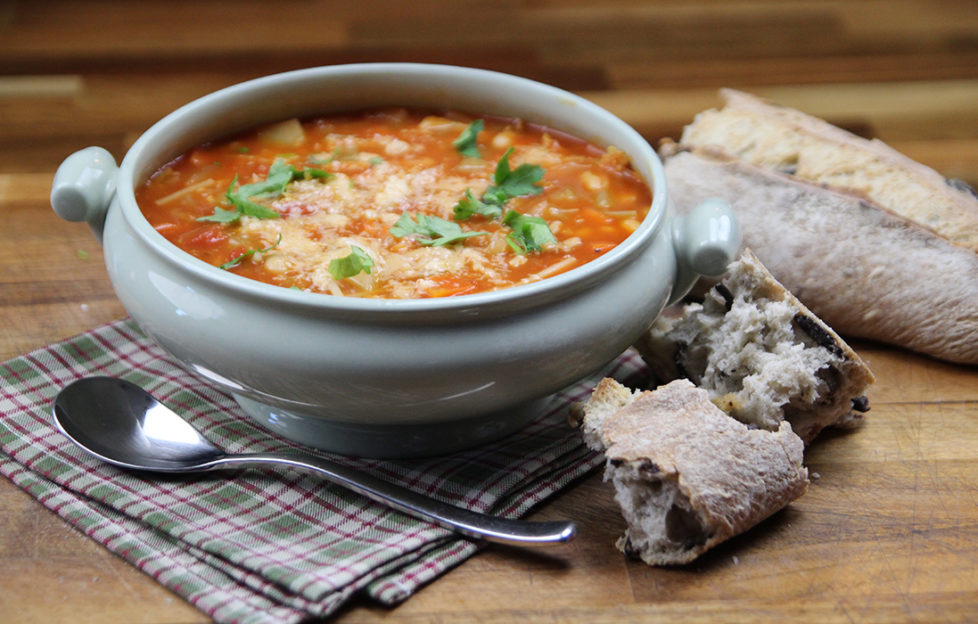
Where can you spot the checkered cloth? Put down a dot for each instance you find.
(256, 546)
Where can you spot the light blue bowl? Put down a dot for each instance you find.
(388, 378)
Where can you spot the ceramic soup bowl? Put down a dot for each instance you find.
(388, 378)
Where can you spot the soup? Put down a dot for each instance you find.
(397, 203)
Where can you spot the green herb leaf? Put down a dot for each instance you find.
(356, 262)
(514, 182)
(244, 207)
(431, 230)
(469, 206)
(311, 173)
(239, 259)
(221, 215)
(280, 174)
(466, 143)
(529, 233)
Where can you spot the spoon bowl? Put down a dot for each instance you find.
(121, 424)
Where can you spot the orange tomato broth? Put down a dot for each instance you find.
(591, 199)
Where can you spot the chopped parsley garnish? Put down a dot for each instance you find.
(469, 206)
(280, 174)
(220, 215)
(466, 144)
(353, 264)
(507, 183)
(529, 233)
(430, 230)
(241, 206)
(513, 182)
(239, 259)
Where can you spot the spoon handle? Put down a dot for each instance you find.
(464, 521)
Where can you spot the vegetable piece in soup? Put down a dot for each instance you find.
(397, 203)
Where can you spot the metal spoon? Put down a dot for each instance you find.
(120, 423)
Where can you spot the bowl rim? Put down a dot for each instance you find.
(547, 288)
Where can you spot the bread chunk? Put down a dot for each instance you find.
(875, 244)
(686, 475)
(761, 354)
(862, 269)
(608, 397)
(782, 139)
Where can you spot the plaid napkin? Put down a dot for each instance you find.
(257, 546)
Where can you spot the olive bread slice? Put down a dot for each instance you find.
(761, 354)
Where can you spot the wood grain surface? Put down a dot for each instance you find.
(887, 532)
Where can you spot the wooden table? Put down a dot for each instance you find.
(888, 530)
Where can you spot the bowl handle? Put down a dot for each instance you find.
(83, 187)
(707, 239)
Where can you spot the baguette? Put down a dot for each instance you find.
(876, 245)
(762, 356)
(686, 475)
(778, 138)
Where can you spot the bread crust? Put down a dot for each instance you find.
(863, 269)
(608, 397)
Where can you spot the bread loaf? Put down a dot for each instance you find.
(686, 475)
(781, 139)
(876, 245)
(762, 356)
